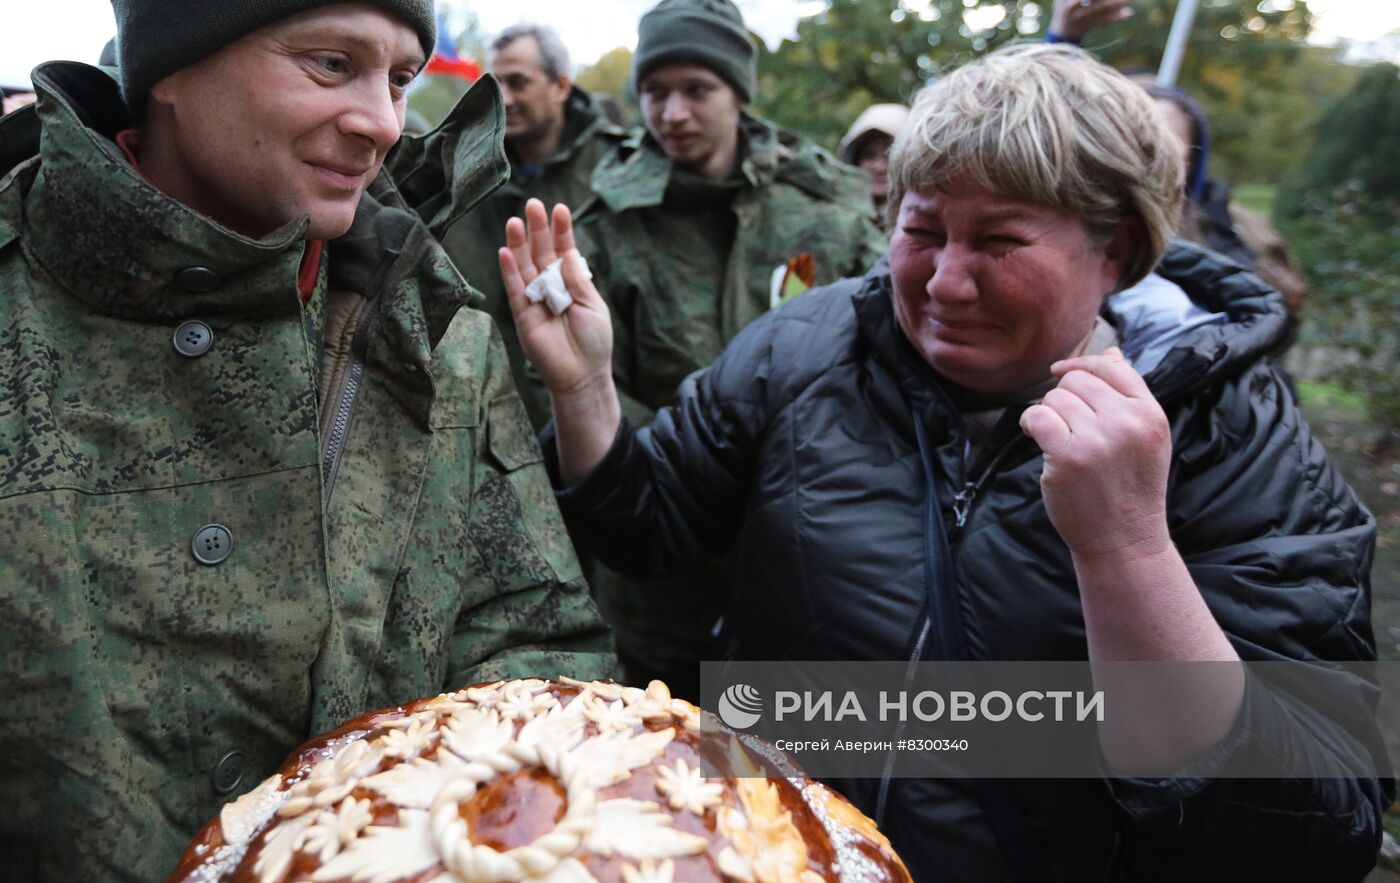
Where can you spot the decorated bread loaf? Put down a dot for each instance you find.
(532, 780)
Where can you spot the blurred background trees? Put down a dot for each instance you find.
(1246, 63)
(1340, 210)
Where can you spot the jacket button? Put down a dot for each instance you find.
(198, 279)
(212, 544)
(193, 339)
(228, 772)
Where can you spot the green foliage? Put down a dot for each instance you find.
(1318, 395)
(1261, 137)
(470, 38)
(1245, 62)
(1239, 65)
(609, 75)
(861, 52)
(1255, 197)
(435, 97)
(1357, 144)
(1341, 213)
(1392, 827)
(1345, 240)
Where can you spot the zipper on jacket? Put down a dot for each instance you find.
(340, 426)
(963, 504)
(965, 499)
(933, 524)
(1020, 853)
(887, 774)
(348, 385)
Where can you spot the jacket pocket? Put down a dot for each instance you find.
(516, 521)
(509, 435)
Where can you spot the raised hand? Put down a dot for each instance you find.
(1107, 446)
(1074, 19)
(571, 351)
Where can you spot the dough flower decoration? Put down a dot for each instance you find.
(766, 845)
(612, 716)
(333, 830)
(649, 872)
(332, 780)
(412, 740)
(685, 787)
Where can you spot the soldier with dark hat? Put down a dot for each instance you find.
(261, 467)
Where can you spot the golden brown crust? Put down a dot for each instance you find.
(558, 782)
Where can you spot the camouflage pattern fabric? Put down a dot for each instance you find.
(685, 264)
(428, 554)
(563, 178)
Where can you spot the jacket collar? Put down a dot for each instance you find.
(445, 173)
(638, 172)
(1253, 321)
(884, 340)
(119, 244)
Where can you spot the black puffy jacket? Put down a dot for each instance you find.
(797, 454)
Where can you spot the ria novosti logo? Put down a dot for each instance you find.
(741, 706)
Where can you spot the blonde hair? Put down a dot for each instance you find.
(1050, 124)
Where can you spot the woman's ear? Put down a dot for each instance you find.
(1120, 251)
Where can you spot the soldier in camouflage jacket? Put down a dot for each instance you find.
(689, 262)
(384, 527)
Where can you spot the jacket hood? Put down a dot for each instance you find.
(637, 173)
(1200, 142)
(887, 119)
(1198, 320)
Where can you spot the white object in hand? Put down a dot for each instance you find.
(549, 286)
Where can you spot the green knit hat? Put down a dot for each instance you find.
(705, 32)
(156, 38)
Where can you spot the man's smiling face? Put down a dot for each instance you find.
(293, 119)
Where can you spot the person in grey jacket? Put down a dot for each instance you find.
(976, 453)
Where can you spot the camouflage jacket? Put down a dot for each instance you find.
(564, 177)
(685, 263)
(390, 531)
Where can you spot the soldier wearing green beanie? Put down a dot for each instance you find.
(159, 37)
(705, 32)
(262, 465)
(699, 224)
